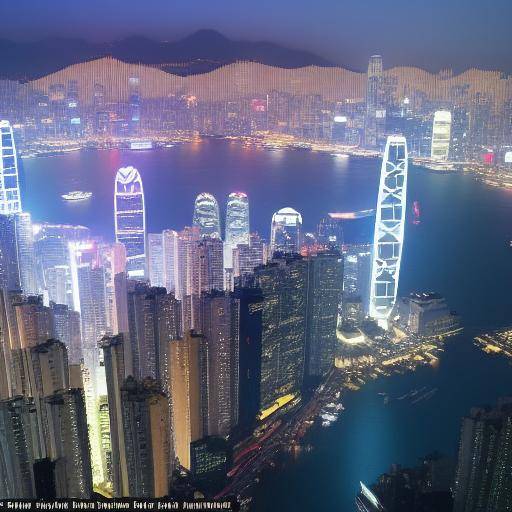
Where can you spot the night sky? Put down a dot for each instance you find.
(433, 34)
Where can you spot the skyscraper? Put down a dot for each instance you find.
(375, 114)
(441, 129)
(285, 231)
(170, 260)
(246, 257)
(154, 318)
(482, 478)
(222, 341)
(325, 285)
(210, 259)
(68, 432)
(389, 229)
(130, 219)
(283, 283)
(25, 249)
(10, 199)
(115, 354)
(9, 264)
(18, 447)
(237, 225)
(156, 259)
(68, 330)
(147, 437)
(207, 216)
(185, 385)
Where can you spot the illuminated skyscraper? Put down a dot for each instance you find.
(130, 219)
(283, 283)
(389, 229)
(285, 231)
(155, 259)
(237, 225)
(25, 248)
(210, 258)
(10, 200)
(206, 215)
(325, 285)
(222, 340)
(375, 114)
(146, 437)
(441, 130)
(185, 385)
(170, 260)
(9, 264)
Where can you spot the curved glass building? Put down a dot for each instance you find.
(206, 215)
(130, 219)
(10, 200)
(389, 229)
(237, 225)
(285, 231)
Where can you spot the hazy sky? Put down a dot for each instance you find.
(428, 33)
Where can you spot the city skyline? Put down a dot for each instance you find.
(231, 277)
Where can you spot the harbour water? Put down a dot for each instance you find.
(460, 248)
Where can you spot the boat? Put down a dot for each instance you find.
(76, 195)
(340, 155)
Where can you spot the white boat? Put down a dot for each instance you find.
(340, 155)
(76, 195)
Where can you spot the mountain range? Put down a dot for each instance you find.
(198, 53)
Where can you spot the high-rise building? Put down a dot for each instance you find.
(285, 231)
(375, 113)
(10, 199)
(211, 274)
(482, 478)
(88, 277)
(246, 309)
(116, 351)
(237, 225)
(210, 458)
(156, 259)
(68, 432)
(246, 257)
(154, 318)
(68, 330)
(441, 129)
(389, 229)
(283, 283)
(34, 321)
(186, 393)
(207, 216)
(9, 264)
(221, 338)
(25, 250)
(19, 447)
(146, 437)
(113, 261)
(325, 286)
(170, 260)
(130, 219)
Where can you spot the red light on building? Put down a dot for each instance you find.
(488, 158)
(258, 105)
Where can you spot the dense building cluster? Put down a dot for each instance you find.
(122, 362)
(465, 117)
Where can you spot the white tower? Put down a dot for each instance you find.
(10, 200)
(389, 229)
(130, 219)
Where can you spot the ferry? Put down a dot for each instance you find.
(340, 155)
(76, 195)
